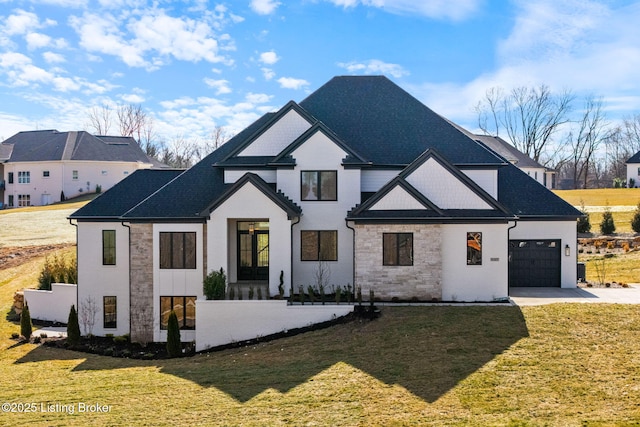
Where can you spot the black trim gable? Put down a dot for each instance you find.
(278, 198)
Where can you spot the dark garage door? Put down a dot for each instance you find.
(534, 263)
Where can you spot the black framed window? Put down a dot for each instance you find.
(397, 248)
(474, 248)
(108, 247)
(10, 177)
(24, 199)
(10, 200)
(319, 185)
(45, 174)
(178, 250)
(109, 308)
(184, 307)
(319, 245)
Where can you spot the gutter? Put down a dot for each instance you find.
(129, 245)
(353, 244)
(76, 226)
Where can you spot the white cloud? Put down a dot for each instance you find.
(21, 23)
(374, 66)
(291, 83)
(133, 98)
(264, 7)
(37, 40)
(221, 86)
(53, 58)
(269, 58)
(455, 10)
(268, 73)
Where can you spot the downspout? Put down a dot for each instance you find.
(515, 224)
(76, 226)
(291, 246)
(353, 245)
(129, 245)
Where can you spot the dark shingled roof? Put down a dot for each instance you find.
(126, 194)
(508, 151)
(526, 197)
(47, 145)
(388, 126)
(635, 158)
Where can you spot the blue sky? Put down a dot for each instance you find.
(201, 64)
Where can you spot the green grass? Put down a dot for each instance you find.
(570, 364)
(602, 196)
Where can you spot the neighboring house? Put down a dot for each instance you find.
(359, 183)
(535, 170)
(39, 167)
(633, 171)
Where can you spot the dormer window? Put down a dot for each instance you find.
(319, 185)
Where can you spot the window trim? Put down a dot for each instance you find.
(106, 248)
(183, 326)
(74, 175)
(318, 251)
(319, 185)
(24, 177)
(24, 200)
(46, 174)
(396, 256)
(475, 236)
(110, 324)
(183, 265)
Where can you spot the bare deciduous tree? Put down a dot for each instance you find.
(100, 119)
(529, 116)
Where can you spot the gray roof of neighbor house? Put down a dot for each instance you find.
(635, 158)
(378, 123)
(508, 151)
(126, 194)
(51, 145)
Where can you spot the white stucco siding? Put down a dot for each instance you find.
(232, 175)
(535, 173)
(320, 153)
(374, 180)
(279, 136)
(47, 180)
(633, 172)
(487, 179)
(485, 282)
(443, 188)
(249, 203)
(397, 198)
(95, 281)
(551, 230)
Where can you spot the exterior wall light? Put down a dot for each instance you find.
(567, 250)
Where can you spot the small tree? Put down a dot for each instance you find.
(635, 221)
(607, 226)
(174, 347)
(73, 326)
(584, 225)
(214, 285)
(26, 328)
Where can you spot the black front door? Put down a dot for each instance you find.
(253, 251)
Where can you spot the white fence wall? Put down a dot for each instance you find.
(225, 322)
(53, 305)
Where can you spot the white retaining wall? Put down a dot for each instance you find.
(225, 322)
(53, 305)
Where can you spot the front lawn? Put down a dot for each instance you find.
(571, 364)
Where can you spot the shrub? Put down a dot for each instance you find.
(73, 327)
(607, 226)
(281, 285)
(632, 183)
(26, 328)
(635, 221)
(57, 269)
(259, 293)
(251, 292)
(173, 336)
(584, 225)
(312, 294)
(338, 294)
(214, 285)
(15, 335)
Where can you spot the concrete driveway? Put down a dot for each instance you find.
(539, 296)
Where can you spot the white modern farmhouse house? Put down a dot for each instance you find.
(41, 167)
(359, 181)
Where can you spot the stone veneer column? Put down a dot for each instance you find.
(141, 283)
(422, 280)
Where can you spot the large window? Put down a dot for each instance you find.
(185, 308)
(24, 200)
(397, 248)
(108, 247)
(10, 177)
(319, 245)
(319, 185)
(474, 248)
(178, 250)
(110, 312)
(24, 177)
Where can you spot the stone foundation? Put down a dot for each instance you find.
(422, 280)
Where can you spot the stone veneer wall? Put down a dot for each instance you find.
(141, 283)
(422, 280)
